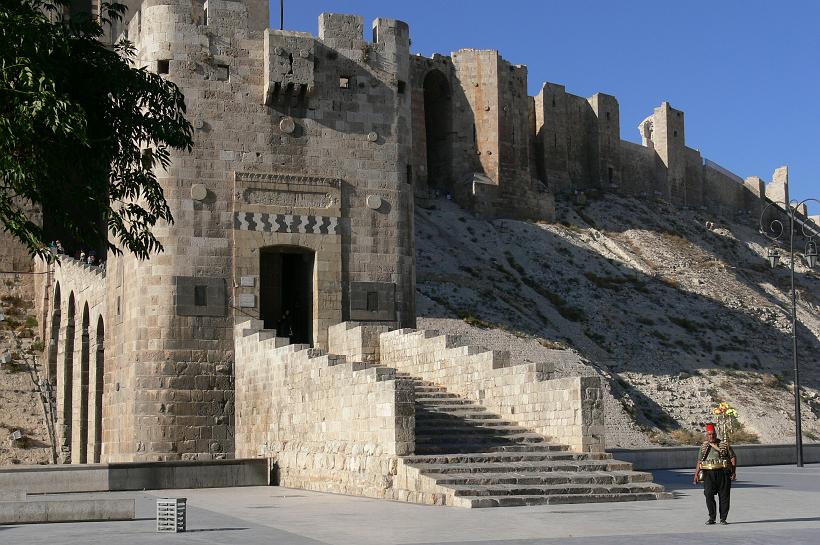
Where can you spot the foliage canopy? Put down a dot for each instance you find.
(82, 130)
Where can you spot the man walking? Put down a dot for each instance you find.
(718, 463)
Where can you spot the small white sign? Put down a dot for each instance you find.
(247, 300)
(247, 281)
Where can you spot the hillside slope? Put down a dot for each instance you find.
(674, 315)
(20, 406)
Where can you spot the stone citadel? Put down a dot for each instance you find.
(295, 211)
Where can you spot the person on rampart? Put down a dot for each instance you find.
(717, 468)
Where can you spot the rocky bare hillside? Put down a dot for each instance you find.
(20, 406)
(676, 316)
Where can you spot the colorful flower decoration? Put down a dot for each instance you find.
(727, 419)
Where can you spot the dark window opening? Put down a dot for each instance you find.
(409, 179)
(611, 174)
(163, 66)
(344, 82)
(400, 87)
(119, 311)
(553, 101)
(475, 135)
(678, 114)
(200, 296)
(675, 133)
(223, 72)
(375, 35)
(290, 63)
(555, 140)
(607, 116)
(205, 16)
(286, 291)
(372, 301)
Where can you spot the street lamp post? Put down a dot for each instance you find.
(774, 232)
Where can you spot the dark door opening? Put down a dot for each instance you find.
(286, 292)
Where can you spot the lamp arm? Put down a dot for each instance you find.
(775, 226)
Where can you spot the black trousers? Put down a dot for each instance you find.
(717, 481)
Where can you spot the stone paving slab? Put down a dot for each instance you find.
(770, 505)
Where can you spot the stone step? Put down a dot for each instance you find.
(427, 389)
(514, 501)
(438, 401)
(424, 413)
(426, 445)
(426, 422)
(504, 457)
(466, 429)
(454, 409)
(542, 478)
(426, 396)
(486, 460)
(467, 448)
(513, 434)
(550, 490)
(523, 467)
(533, 447)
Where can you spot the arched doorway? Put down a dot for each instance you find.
(286, 291)
(438, 130)
(85, 356)
(54, 341)
(99, 384)
(67, 386)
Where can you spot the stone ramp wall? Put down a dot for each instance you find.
(327, 424)
(566, 410)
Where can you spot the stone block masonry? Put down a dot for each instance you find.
(327, 424)
(567, 410)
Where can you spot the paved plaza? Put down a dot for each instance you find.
(772, 504)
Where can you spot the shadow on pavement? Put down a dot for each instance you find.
(797, 519)
(214, 529)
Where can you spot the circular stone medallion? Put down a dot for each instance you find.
(372, 136)
(374, 202)
(199, 192)
(287, 125)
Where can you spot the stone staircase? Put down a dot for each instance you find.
(482, 460)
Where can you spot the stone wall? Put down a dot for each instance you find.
(300, 142)
(328, 424)
(76, 361)
(639, 168)
(355, 341)
(567, 410)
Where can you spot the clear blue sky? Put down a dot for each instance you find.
(746, 72)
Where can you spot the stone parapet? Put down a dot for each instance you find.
(327, 423)
(355, 341)
(566, 410)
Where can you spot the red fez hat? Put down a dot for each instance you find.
(710, 427)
